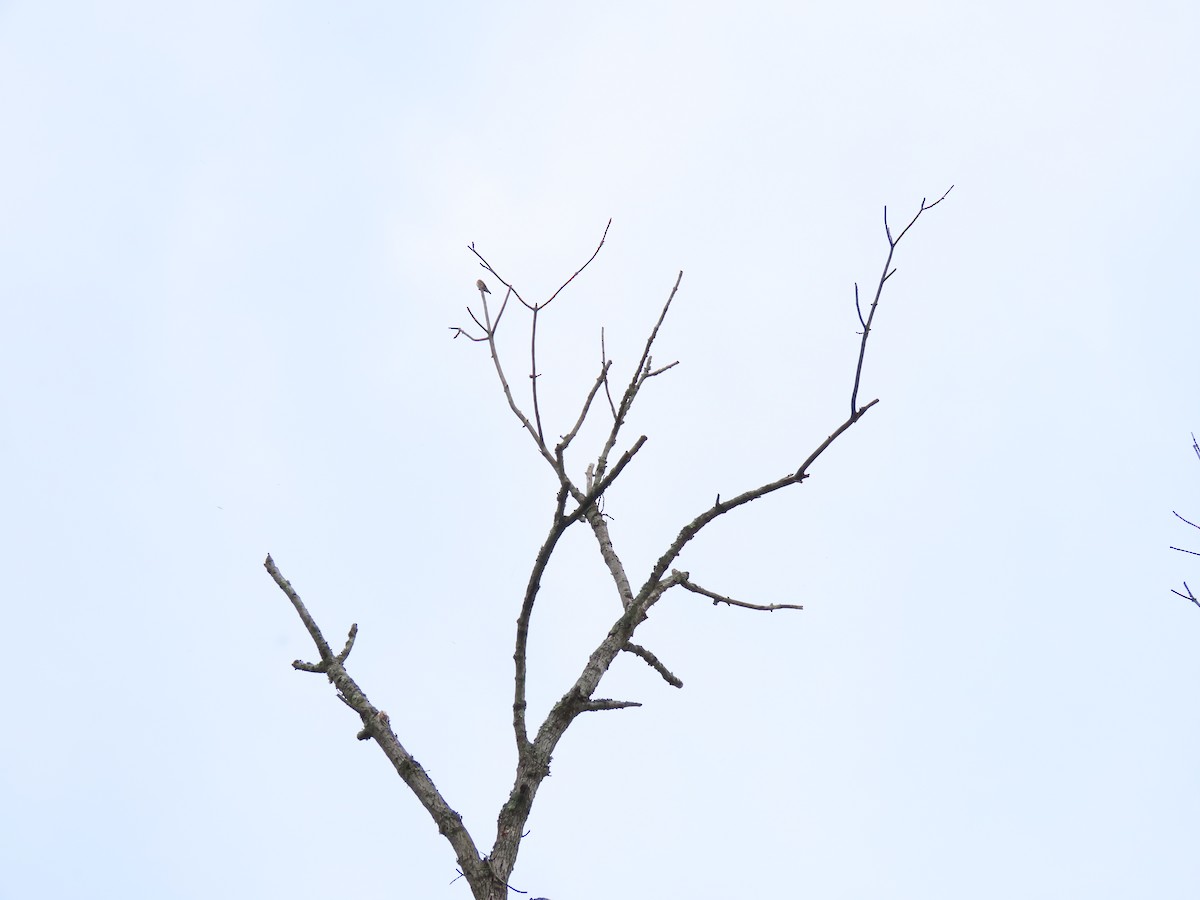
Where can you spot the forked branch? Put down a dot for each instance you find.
(887, 273)
(1189, 595)
(488, 875)
(536, 427)
(720, 507)
(377, 726)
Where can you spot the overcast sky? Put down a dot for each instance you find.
(233, 239)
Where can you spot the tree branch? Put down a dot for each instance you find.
(653, 662)
(310, 624)
(533, 374)
(1188, 596)
(535, 433)
(602, 378)
(377, 725)
(520, 654)
(488, 875)
(640, 374)
(536, 428)
(888, 272)
(597, 705)
(588, 500)
(595, 253)
(719, 598)
(720, 507)
(1182, 519)
(604, 362)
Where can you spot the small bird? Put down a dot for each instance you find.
(483, 288)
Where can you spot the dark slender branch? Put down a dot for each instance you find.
(488, 268)
(862, 348)
(1181, 518)
(721, 507)
(533, 374)
(595, 253)
(534, 428)
(635, 383)
(485, 328)
(1188, 596)
(802, 472)
(604, 362)
(521, 654)
(535, 433)
(686, 584)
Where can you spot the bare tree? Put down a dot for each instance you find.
(1189, 595)
(577, 501)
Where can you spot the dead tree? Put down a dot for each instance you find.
(1188, 595)
(577, 501)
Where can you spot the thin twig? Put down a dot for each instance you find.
(639, 376)
(1181, 518)
(888, 272)
(603, 484)
(535, 433)
(595, 253)
(656, 578)
(604, 362)
(602, 378)
(686, 584)
(1188, 596)
(533, 373)
(534, 428)
(488, 268)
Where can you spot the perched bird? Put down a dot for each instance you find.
(483, 288)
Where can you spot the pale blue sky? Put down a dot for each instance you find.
(232, 239)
